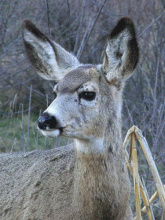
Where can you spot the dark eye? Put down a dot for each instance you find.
(89, 96)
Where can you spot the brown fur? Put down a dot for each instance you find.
(87, 180)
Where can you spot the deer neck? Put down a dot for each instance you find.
(98, 176)
(108, 143)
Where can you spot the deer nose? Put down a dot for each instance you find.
(46, 121)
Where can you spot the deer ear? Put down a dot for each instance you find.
(49, 59)
(121, 54)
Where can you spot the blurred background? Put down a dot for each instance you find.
(82, 27)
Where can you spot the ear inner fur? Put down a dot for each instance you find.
(54, 60)
(122, 53)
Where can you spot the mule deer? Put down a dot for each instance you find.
(89, 179)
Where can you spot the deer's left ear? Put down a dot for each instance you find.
(49, 59)
(121, 54)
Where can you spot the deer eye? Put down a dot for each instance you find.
(89, 96)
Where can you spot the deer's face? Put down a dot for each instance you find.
(77, 109)
(87, 96)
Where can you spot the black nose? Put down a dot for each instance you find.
(46, 121)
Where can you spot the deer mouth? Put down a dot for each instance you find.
(51, 132)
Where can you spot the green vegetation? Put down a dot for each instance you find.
(14, 135)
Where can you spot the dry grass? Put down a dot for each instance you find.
(133, 135)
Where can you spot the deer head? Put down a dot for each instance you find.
(88, 97)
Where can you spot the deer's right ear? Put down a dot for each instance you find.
(49, 59)
(121, 54)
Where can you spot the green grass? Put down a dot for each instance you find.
(14, 135)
